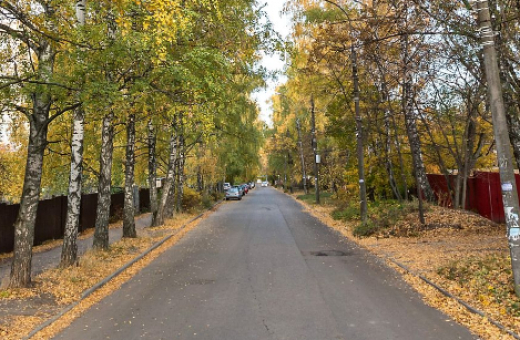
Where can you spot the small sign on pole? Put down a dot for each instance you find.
(318, 159)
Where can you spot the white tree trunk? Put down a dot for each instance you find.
(152, 171)
(104, 185)
(170, 179)
(69, 252)
(129, 210)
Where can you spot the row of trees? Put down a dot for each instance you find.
(399, 88)
(100, 94)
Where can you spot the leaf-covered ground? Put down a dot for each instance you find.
(465, 254)
(21, 310)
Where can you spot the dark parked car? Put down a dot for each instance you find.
(233, 193)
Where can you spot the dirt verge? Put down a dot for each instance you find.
(22, 310)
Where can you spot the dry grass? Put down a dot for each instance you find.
(467, 255)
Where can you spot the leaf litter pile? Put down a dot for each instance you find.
(463, 253)
(22, 310)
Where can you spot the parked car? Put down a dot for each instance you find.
(264, 183)
(246, 188)
(227, 186)
(233, 193)
(240, 189)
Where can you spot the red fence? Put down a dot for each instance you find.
(484, 194)
(50, 219)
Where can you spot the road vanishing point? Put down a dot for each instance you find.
(264, 269)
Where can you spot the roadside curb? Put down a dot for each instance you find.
(453, 297)
(443, 291)
(116, 273)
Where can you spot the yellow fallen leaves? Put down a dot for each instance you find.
(470, 261)
(65, 286)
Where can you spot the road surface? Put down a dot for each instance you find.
(257, 269)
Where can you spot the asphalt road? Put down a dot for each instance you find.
(255, 270)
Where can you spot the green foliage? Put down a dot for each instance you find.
(366, 230)
(383, 215)
(325, 198)
(207, 201)
(198, 60)
(348, 212)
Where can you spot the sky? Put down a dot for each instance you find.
(282, 25)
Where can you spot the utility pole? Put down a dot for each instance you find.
(359, 140)
(315, 150)
(285, 151)
(302, 157)
(285, 173)
(503, 144)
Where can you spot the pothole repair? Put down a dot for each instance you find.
(329, 253)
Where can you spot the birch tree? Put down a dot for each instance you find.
(33, 37)
(69, 252)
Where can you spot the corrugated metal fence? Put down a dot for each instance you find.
(484, 195)
(50, 220)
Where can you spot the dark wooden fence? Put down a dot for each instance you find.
(50, 220)
(484, 195)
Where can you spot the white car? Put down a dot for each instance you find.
(264, 184)
(227, 186)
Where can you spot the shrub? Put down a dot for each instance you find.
(207, 201)
(365, 230)
(191, 199)
(345, 213)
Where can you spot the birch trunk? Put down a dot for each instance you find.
(170, 179)
(302, 156)
(404, 180)
(412, 132)
(390, 121)
(101, 241)
(38, 127)
(169, 209)
(315, 150)
(152, 171)
(388, 152)
(69, 251)
(104, 185)
(129, 210)
(363, 205)
(180, 173)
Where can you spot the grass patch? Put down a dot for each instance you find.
(366, 230)
(488, 280)
(383, 216)
(325, 198)
(345, 213)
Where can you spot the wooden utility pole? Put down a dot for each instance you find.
(315, 150)
(302, 157)
(503, 144)
(359, 140)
